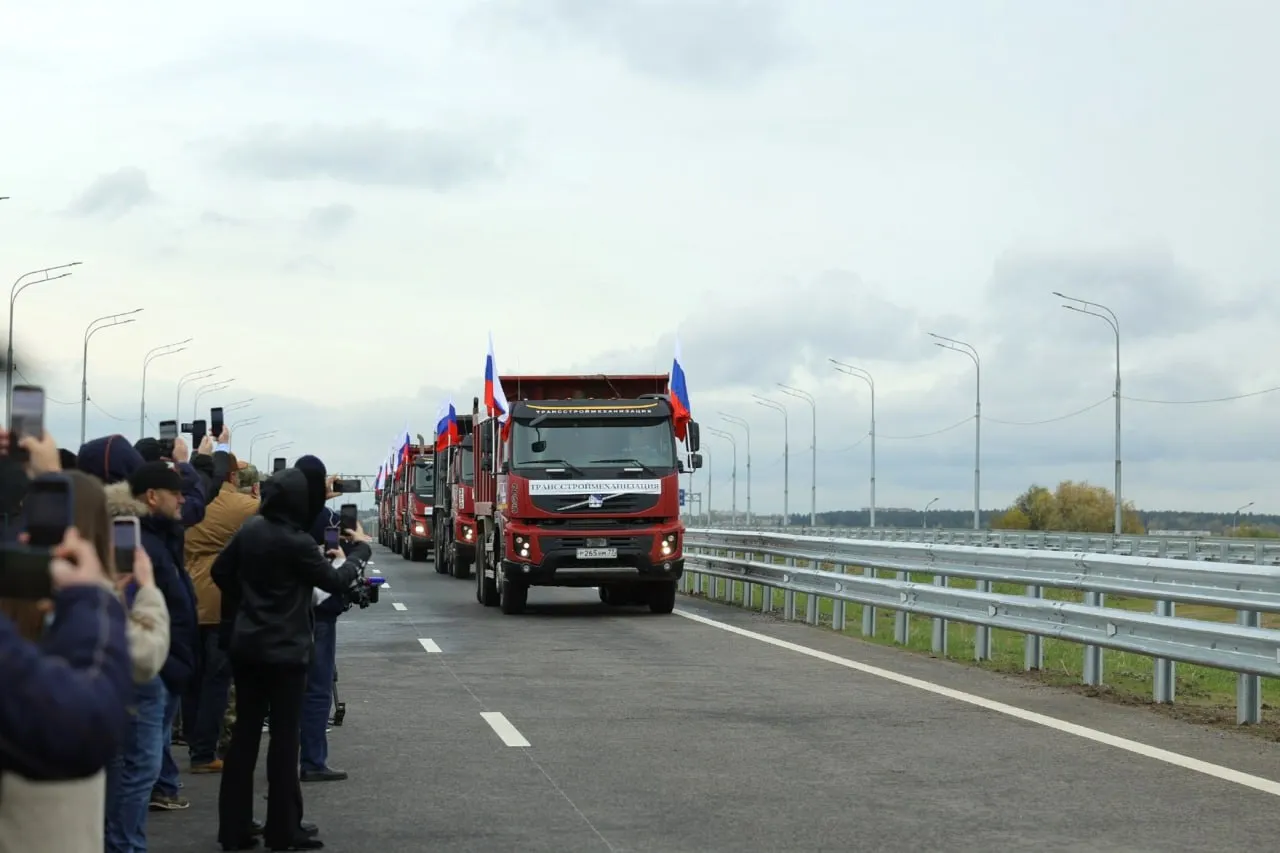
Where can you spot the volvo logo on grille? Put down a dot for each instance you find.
(595, 501)
(597, 542)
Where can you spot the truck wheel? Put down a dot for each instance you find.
(418, 552)
(461, 568)
(486, 588)
(662, 597)
(512, 596)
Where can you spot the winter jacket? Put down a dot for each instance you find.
(267, 574)
(205, 541)
(148, 626)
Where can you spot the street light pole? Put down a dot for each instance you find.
(205, 389)
(237, 405)
(924, 524)
(259, 436)
(158, 352)
(733, 478)
(734, 419)
(246, 422)
(20, 284)
(272, 451)
(813, 448)
(89, 331)
(786, 456)
(1235, 529)
(1110, 318)
(193, 376)
(858, 372)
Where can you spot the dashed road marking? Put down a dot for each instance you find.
(502, 727)
(429, 645)
(1217, 771)
(398, 606)
(377, 571)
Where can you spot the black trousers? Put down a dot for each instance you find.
(262, 691)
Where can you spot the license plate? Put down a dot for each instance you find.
(597, 553)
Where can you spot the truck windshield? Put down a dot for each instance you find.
(424, 480)
(468, 474)
(644, 442)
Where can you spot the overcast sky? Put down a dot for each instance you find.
(339, 202)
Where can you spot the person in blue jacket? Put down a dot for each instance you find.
(159, 493)
(63, 706)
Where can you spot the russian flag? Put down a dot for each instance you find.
(377, 481)
(679, 392)
(447, 429)
(495, 399)
(404, 447)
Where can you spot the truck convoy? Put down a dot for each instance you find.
(454, 521)
(578, 487)
(406, 503)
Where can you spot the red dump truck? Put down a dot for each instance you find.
(455, 520)
(581, 490)
(412, 498)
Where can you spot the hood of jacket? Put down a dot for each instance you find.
(110, 459)
(121, 502)
(286, 498)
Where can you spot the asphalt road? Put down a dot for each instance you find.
(663, 733)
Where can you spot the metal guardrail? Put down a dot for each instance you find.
(1219, 549)
(749, 557)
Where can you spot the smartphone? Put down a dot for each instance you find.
(278, 464)
(215, 422)
(25, 574)
(348, 486)
(331, 535)
(125, 540)
(348, 516)
(26, 419)
(168, 435)
(48, 509)
(198, 431)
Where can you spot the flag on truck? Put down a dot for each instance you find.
(679, 391)
(447, 429)
(404, 447)
(495, 399)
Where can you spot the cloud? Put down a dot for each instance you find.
(113, 195)
(715, 43)
(213, 217)
(373, 154)
(329, 220)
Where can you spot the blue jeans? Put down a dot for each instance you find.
(132, 774)
(319, 697)
(167, 782)
(204, 715)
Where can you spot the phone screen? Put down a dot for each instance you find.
(330, 538)
(124, 541)
(168, 430)
(215, 422)
(348, 516)
(278, 465)
(28, 411)
(47, 509)
(25, 576)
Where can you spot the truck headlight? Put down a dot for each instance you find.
(669, 545)
(468, 533)
(418, 528)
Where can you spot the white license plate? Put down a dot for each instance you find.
(597, 553)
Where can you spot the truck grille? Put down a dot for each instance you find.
(620, 504)
(552, 543)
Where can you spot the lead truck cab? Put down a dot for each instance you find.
(581, 490)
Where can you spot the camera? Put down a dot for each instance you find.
(363, 590)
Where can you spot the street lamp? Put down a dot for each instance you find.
(20, 284)
(272, 452)
(89, 331)
(246, 422)
(925, 523)
(239, 404)
(257, 438)
(1110, 318)
(734, 419)
(158, 352)
(786, 456)
(813, 448)
(728, 436)
(193, 376)
(850, 370)
(981, 633)
(1236, 527)
(205, 389)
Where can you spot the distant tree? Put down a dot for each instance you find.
(1072, 506)
(1252, 531)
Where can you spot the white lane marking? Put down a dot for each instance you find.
(430, 646)
(1226, 774)
(502, 728)
(386, 586)
(398, 606)
(377, 571)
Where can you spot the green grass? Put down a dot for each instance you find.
(1205, 694)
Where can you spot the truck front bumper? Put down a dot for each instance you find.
(572, 572)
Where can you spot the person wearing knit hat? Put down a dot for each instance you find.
(110, 459)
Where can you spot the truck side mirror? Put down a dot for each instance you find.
(694, 437)
(486, 461)
(695, 460)
(538, 446)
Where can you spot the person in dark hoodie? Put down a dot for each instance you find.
(267, 574)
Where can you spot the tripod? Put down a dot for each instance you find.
(339, 707)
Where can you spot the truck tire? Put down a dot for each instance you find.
(662, 597)
(512, 596)
(461, 568)
(418, 553)
(486, 589)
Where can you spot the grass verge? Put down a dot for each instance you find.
(1202, 695)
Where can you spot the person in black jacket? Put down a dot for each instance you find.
(267, 574)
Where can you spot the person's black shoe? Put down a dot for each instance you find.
(302, 844)
(246, 844)
(307, 828)
(328, 774)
